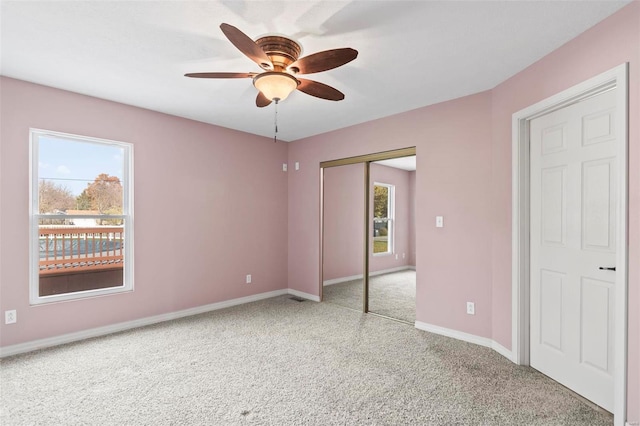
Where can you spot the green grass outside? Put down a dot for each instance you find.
(380, 246)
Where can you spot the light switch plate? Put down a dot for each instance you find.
(10, 317)
(439, 222)
(471, 308)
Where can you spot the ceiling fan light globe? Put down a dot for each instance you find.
(275, 85)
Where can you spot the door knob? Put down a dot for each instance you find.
(604, 268)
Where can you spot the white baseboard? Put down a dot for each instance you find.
(342, 280)
(471, 338)
(502, 351)
(114, 328)
(304, 295)
(371, 274)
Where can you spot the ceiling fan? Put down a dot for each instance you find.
(278, 57)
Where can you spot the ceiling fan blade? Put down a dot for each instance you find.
(221, 74)
(319, 90)
(262, 100)
(247, 46)
(323, 61)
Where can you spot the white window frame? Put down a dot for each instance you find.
(34, 216)
(391, 223)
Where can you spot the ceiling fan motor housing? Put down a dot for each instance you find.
(279, 56)
(281, 50)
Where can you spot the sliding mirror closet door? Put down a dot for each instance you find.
(392, 274)
(343, 235)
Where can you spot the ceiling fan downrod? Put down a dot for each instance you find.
(275, 134)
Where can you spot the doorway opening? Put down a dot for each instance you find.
(532, 309)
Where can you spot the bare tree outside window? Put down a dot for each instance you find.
(54, 197)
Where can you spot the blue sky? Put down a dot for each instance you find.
(74, 164)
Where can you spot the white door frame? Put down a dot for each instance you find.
(614, 78)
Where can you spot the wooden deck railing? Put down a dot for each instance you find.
(66, 250)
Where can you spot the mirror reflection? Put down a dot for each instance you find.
(392, 275)
(343, 235)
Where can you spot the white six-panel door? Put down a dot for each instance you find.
(572, 236)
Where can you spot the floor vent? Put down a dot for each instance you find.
(297, 299)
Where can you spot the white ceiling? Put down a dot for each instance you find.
(404, 163)
(411, 54)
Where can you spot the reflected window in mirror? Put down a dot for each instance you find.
(383, 209)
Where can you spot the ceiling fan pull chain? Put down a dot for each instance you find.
(275, 135)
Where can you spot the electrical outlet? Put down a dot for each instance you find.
(10, 317)
(471, 308)
(248, 278)
(284, 167)
(297, 165)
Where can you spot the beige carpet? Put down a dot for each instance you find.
(392, 295)
(281, 362)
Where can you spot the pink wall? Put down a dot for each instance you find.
(343, 221)
(200, 223)
(464, 158)
(453, 141)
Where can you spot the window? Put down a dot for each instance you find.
(383, 210)
(81, 217)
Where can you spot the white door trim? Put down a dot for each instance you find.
(614, 78)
